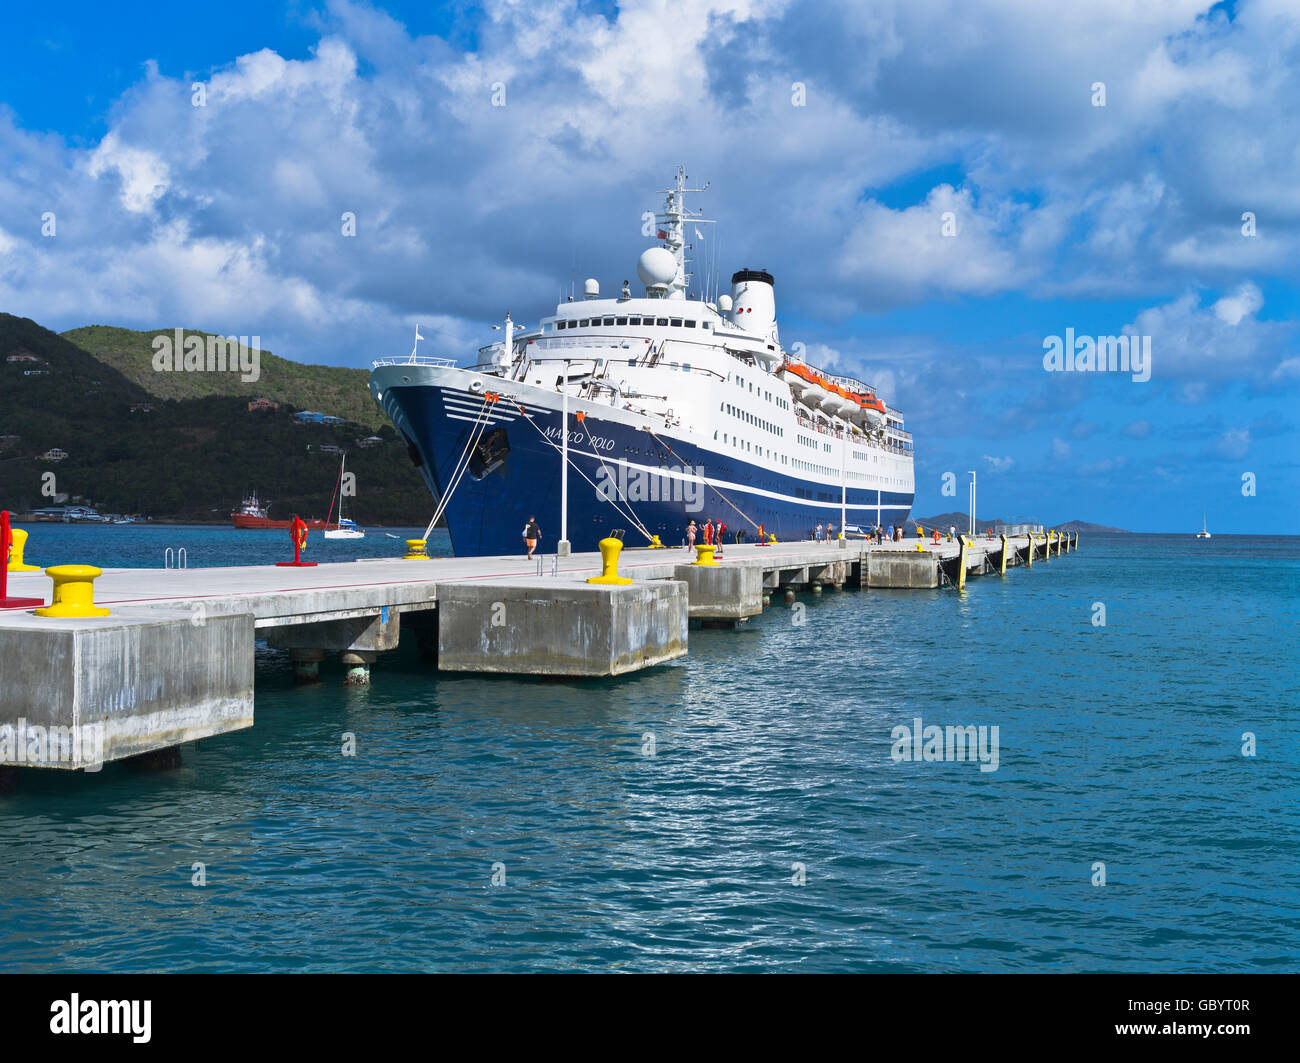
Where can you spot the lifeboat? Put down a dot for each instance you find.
(814, 395)
(872, 411)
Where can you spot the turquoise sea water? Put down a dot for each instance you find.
(1119, 744)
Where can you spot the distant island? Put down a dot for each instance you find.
(88, 419)
(961, 521)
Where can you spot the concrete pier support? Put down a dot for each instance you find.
(902, 569)
(722, 592)
(79, 692)
(588, 631)
(357, 664)
(306, 665)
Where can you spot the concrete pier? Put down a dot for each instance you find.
(173, 660)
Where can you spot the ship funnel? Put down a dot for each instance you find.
(754, 302)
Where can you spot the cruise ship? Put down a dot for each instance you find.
(635, 415)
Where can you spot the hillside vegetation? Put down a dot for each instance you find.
(328, 389)
(189, 457)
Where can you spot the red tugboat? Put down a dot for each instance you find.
(252, 514)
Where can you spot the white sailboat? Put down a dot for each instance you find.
(1204, 533)
(347, 529)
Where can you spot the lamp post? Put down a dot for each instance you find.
(972, 500)
(844, 489)
(562, 547)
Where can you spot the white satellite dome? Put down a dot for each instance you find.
(724, 303)
(656, 267)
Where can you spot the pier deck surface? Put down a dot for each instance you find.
(328, 589)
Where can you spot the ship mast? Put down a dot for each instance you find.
(672, 225)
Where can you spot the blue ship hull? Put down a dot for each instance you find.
(514, 473)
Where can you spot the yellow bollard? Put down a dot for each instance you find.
(416, 550)
(73, 591)
(609, 551)
(1004, 554)
(655, 544)
(16, 552)
(961, 566)
(704, 555)
(771, 538)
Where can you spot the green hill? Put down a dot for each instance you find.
(329, 389)
(187, 456)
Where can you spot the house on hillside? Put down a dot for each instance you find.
(8, 441)
(24, 357)
(369, 441)
(263, 404)
(53, 454)
(142, 407)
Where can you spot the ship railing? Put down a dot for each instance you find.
(416, 359)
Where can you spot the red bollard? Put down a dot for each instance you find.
(6, 543)
(297, 533)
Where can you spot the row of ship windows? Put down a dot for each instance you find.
(749, 418)
(802, 466)
(765, 395)
(674, 322)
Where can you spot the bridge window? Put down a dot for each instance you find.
(661, 321)
(621, 321)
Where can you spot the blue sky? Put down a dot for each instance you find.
(945, 195)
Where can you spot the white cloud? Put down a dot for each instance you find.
(464, 208)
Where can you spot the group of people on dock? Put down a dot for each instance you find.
(711, 533)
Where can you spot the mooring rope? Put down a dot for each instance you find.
(614, 480)
(714, 487)
(462, 462)
(630, 517)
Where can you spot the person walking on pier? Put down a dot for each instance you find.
(819, 533)
(691, 531)
(708, 531)
(531, 534)
(722, 531)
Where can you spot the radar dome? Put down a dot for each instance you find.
(656, 267)
(724, 303)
